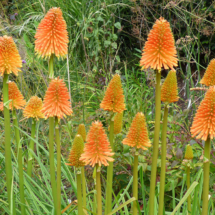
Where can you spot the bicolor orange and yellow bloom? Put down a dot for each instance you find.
(76, 152)
(97, 149)
(16, 97)
(138, 134)
(56, 101)
(159, 50)
(204, 121)
(82, 131)
(33, 108)
(52, 36)
(10, 60)
(209, 76)
(114, 99)
(188, 153)
(169, 89)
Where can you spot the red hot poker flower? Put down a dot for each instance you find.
(138, 135)
(114, 98)
(159, 50)
(169, 89)
(209, 76)
(204, 120)
(56, 101)
(52, 36)
(10, 61)
(97, 148)
(33, 108)
(16, 97)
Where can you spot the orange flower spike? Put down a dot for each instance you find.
(97, 148)
(56, 101)
(204, 121)
(76, 152)
(82, 131)
(33, 108)
(209, 76)
(114, 98)
(138, 135)
(118, 123)
(160, 50)
(16, 97)
(169, 89)
(10, 60)
(52, 36)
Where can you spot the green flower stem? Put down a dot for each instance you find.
(80, 207)
(108, 203)
(188, 186)
(156, 143)
(163, 162)
(31, 148)
(135, 183)
(51, 66)
(20, 166)
(8, 163)
(206, 176)
(98, 191)
(83, 187)
(51, 160)
(58, 167)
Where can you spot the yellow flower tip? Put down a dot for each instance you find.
(82, 131)
(33, 108)
(114, 98)
(76, 152)
(97, 149)
(52, 36)
(169, 89)
(204, 121)
(56, 101)
(16, 97)
(118, 123)
(10, 60)
(189, 153)
(138, 134)
(160, 51)
(209, 76)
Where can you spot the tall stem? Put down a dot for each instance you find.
(108, 203)
(20, 166)
(163, 162)
(51, 66)
(98, 191)
(51, 160)
(188, 186)
(135, 183)
(8, 163)
(83, 187)
(80, 207)
(156, 143)
(206, 176)
(58, 167)
(31, 148)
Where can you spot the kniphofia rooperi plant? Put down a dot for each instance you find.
(33, 110)
(189, 157)
(159, 52)
(74, 160)
(209, 76)
(113, 102)
(97, 152)
(137, 137)
(10, 62)
(203, 127)
(169, 94)
(56, 106)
